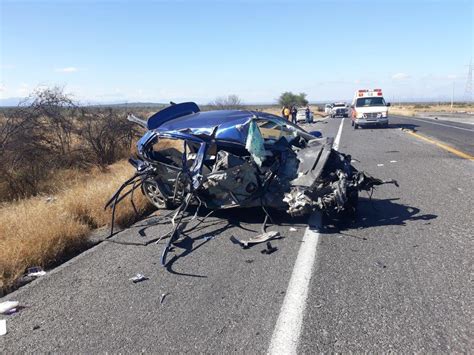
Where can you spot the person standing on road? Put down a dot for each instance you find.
(294, 111)
(286, 113)
(308, 114)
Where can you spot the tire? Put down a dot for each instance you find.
(153, 193)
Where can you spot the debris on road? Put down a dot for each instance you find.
(8, 307)
(138, 278)
(3, 327)
(380, 264)
(393, 161)
(230, 158)
(209, 237)
(379, 164)
(270, 249)
(261, 238)
(35, 271)
(162, 298)
(293, 229)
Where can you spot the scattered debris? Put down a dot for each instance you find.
(393, 161)
(138, 278)
(36, 327)
(35, 271)
(380, 264)
(50, 199)
(8, 307)
(3, 327)
(209, 237)
(261, 238)
(293, 229)
(319, 305)
(227, 159)
(270, 249)
(163, 296)
(249, 261)
(379, 164)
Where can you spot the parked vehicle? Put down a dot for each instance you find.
(301, 116)
(339, 109)
(327, 109)
(369, 109)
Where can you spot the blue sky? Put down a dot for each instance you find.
(110, 51)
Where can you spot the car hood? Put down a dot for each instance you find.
(372, 109)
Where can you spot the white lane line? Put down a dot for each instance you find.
(338, 136)
(439, 124)
(288, 327)
(290, 321)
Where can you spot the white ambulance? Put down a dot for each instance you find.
(369, 109)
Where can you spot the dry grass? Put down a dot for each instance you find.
(36, 232)
(412, 110)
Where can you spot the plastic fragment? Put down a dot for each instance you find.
(7, 306)
(380, 264)
(261, 238)
(209, 237)
(293, 229)
(138, 278)
(393, 161)
(3, 327)
(163, 296)
(379, 164)
(35, 271)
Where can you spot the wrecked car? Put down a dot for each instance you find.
(237, 158)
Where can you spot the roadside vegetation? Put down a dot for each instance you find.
(59, 164)
(414, 109)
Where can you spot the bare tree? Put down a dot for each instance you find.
(231, 102)
(107, 134)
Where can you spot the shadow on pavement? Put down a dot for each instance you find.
(375, 213)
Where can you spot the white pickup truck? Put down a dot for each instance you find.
(339, 109)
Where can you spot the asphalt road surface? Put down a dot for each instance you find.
(399, 278)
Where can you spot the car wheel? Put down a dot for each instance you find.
(153, 193)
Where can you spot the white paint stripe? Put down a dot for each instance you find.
(437, 123)
(338, 136)
(290, 321)
(288, 328)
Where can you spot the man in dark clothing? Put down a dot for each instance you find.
(294, 111)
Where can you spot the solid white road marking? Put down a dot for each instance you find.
(439, 124)
(290, 321)
(338, 136)
(288, 327)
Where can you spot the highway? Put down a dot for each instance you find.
(398, 278)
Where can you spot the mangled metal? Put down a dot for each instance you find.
(226, 159)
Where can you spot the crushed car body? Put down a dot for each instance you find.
(237, 158)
